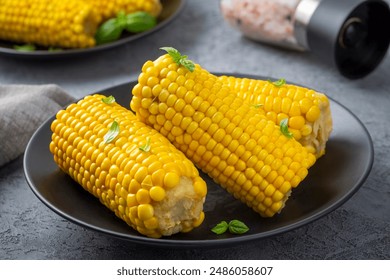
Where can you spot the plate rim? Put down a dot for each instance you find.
(82, 51)
(189, 243)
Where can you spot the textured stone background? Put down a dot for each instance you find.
(360, 229)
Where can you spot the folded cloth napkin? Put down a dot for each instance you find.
(22, 109)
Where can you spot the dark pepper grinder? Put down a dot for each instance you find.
(354, 33)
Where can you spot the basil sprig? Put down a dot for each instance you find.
(284, 128)
(112, 29)
(237, 227)
(112, 132)
(108, 32)
(278, 83)
(179, 58)
(234, 226)
(139, 22)
(32, 47)
(220, 227)
(146, 146)
(108, 99)
(54, 49)
(25, 48)
(257, 106)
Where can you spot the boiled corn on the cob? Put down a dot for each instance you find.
(65, 24)
(55, 23)
(139, 175)
(308, 111)
(106, 9)
(226, 137)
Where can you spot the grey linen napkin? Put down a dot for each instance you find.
(22, 109)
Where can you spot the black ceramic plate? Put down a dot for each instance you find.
(331, 182)
(171, 8)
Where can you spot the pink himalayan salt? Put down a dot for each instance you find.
(262, 20)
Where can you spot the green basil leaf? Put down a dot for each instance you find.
(179, 59)
(174, 53)
(112, 133)
(108, 32)
(121, 20)
(146, 146)
(109, 99)
(25, 48)
(220, 227)
(54, 49)
(237, 227)
(284, 128)
(278, 83)
(187, 63)
(139, 22)
(257, 106)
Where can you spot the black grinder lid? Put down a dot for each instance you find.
(355, 33)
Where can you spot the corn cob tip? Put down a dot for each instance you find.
(307, 111)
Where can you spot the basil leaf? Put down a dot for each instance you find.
(146, 147)
(109, 99)
(112, 133)
(121, 20)
(237, 227)
(139, 22)
(257, 106)
(220, 228)
(284, 128)
(54, 49)
(279, 82)
(179, 59)
(187, 63)
(25, 48)
(174, 53)
(108, 32)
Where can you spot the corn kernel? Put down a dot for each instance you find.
(171, 180)
(145, 211)
(157, 193)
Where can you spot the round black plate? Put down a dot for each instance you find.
(331, 182)
(171, 8)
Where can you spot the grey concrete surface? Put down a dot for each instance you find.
(359, 229)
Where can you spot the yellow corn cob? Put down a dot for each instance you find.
(55, 23)
(157, 190)
(110, 8)
(228, 139)
(308, 111)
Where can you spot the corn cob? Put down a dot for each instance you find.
(308, 111)
(139, 175)
(227, 138)
(107, 9)
(55, 23)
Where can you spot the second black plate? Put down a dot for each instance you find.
(171, 8)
